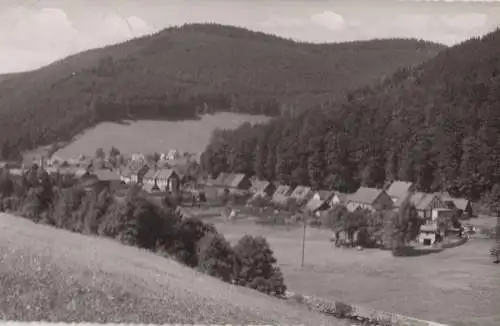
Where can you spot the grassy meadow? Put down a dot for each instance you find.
(54, 275)
(149, 136)
(458, 286)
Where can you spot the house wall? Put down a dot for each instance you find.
(426, 235)
(352, 206)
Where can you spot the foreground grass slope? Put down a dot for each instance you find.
(149, 136)
(54, 275)
(171, 73)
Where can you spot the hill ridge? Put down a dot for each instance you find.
(180, 72)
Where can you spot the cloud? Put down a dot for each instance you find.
(31, 37)
(329, 20)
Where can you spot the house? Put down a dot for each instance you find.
(399, 189)
(371, 199)
(167, 179)
(302, 194)
(319, 201)
(463, 205)
(262, 188)
(282, 194)
(428, 234)
(338, 198)
(424, 203)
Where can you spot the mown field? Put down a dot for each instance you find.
(458, 286)
(156, 136)
(54, 275)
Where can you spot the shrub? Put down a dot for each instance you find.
(188, 232)
(216, 257)
(342, 310)
(257, 266)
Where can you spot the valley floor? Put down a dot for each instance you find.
(458, 286)
(54, 275)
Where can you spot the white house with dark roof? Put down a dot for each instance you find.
(371, 199)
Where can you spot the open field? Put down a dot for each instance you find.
(458, 286)
(148, 136)
(54, 275)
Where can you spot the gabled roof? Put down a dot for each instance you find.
(283, 190)
(399, 189)
(428, 228)
(365, 195)
(164, 173)
(314, 204)
(150, 174)
(222, 179)
(301, 192)
(236, 179)
(325, 195)
(420, 200)
(460, 203)
(259, 185)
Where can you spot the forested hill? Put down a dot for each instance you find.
(437, 125)
(184, 70)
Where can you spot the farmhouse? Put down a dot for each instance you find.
(399, 189)
(262, 188)
(424, 203)
(319, 201)
(302, 194)
(369, 198)
(282, 194)
(461, 204)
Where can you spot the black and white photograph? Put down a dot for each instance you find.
(250, 162)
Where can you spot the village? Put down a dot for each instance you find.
(179, 176)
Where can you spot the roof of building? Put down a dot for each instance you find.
(235, 180)
(420, 200)
(460, 203)
(314, 204)
(399, 188)
(260, 185)
(150, 174)
(222, 179)
(301, 192)
(325, 195)
(283, 190)
(341, 196)
(365, 195)
(165, 173)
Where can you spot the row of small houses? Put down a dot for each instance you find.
(372, 199)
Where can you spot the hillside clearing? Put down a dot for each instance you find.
(458, 286)
(54, 275)
(149, 136)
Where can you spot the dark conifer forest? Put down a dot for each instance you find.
(184, 71)
(436, 124)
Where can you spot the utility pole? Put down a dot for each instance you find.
(304, 240)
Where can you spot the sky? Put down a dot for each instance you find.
(34, 33)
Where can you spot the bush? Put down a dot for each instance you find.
(216, 257)
(257, 267)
